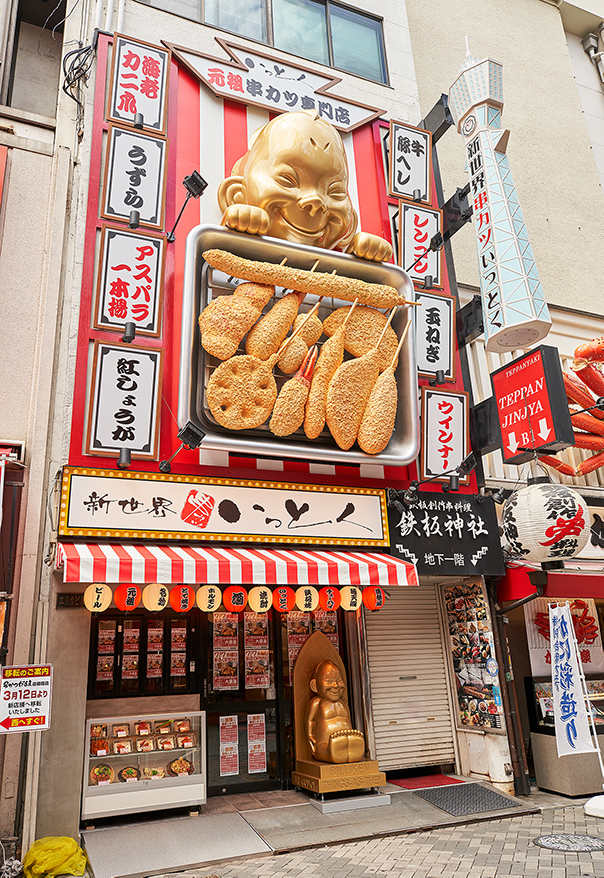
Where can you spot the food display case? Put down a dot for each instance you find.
(540, 703)
(144, 763)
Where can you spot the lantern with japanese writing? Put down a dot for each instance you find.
(374, 597)
(209, 598)
(307, 598)
(182, 598)
(235, 598)
(330, 598)
(260, 599)
(352, 597)
(127, 597)
(155, 597)
(97, 597)
(284, 598)
(545, 522)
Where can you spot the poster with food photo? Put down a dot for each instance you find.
(106, 640)
(226, 669)
(255, 631)
(226, 630)
(104, 667)
(155, 638)
(256, 669)
(155, 662)
(131, 639)
(178, 661)
(298, 628)
(129, 667)
(326, 621)
(178, 640)
(229, 745)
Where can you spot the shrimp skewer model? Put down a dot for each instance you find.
(288, 413)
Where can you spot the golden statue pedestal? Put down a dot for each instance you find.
(323, 777)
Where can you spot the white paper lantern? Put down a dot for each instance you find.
(209, 598)
(260, 599)
(352, 597)
(546, 522)
(307, 598)
(156, 596)
(97, 597)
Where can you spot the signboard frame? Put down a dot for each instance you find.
(114, 114)
(434, 257)
(426, 175)
(462, 397)
(421, 323)
(10, 679)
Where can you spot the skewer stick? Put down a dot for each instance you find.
(400, 344)
(347, 318)
(312, 311)
(392, 313)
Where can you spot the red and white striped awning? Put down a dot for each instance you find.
(220, 565)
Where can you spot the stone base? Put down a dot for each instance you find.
(323, 777)
(350, 803)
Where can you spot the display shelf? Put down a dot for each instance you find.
(126, 783)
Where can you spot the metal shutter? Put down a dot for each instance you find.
(412, 717)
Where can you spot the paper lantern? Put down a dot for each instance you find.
(352, 597)
(97, 597)
(330, 598)
(209, 598)
(182, 598)
(155, 597)
(127, 597)
(307, 598)
(260, 599)
(545, 522)
(235, 598)
(374, 597)
(284, 598)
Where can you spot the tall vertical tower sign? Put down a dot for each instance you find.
(514, 308)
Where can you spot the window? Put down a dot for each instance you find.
(317, 30)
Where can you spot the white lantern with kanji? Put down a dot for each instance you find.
(545, 522)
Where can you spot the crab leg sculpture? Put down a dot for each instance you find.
(584, 385)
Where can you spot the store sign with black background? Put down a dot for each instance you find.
(447, 534)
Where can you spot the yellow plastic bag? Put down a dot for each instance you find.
(55, 855)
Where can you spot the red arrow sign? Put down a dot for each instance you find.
(13, 722)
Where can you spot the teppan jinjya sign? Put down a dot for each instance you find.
(450, 535)
(131, 505)
(531, 405)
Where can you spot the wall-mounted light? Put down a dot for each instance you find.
(129, 332)
(135, 218)
(195, 186)
(139, 121)
(438, 378)
(125, 458)
(191, 437)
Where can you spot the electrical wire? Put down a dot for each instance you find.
(76, 73)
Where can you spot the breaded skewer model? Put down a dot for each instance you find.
(292, 356)
(225, 321)
(266, 336)
(330, 359)
(288, 413)
(242, 391)
(380, 412)
(348, 393)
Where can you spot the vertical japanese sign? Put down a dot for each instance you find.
(587, 633)
(445, 432)
(570, 712)
(410, 161)
(418, 225)
(130, 281)
(124, 401)
(434, 334)
(25, 698)
(135, 172)
(139, 83)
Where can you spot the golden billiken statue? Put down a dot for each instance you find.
(328, 724)
(292, 183)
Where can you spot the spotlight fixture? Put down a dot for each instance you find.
(139, 121)
(438, 378)
(135, 218)
(453, 484)
(125, 458)
(191, 437)
(195, 186)
(417, 195)
(129, 332)
(410, 496)
(428, 282)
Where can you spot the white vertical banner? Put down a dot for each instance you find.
(570, 711)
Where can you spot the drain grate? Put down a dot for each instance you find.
(578, 843)
(462, 799)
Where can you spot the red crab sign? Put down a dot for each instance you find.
(586, 627)
(529, 393)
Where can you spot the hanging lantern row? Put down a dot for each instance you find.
(260, 599)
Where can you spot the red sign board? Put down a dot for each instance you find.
(25, 696)
(531, 405)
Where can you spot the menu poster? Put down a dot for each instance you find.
(298, 628)
(179, 639)
(229, 745)
(327, 622)
(226, 630)
(256, 669)
(131, 638)
(256, 743)
(106, 641)
(255, 631)
(155, 663)
(104, 667)
(129, 667)
(178, 661)
(226, 669)
(155, 638)
(292, 654)
(473, 656)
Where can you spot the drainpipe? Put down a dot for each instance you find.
(590, 47)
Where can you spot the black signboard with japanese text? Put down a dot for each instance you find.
(447, 534)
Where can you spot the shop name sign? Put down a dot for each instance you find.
(275, 85)
(25, 697)
(125, 505)
(531, 405)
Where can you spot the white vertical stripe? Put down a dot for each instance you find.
(86, 563)
(211, 153)
(256, 118)
(352, 171)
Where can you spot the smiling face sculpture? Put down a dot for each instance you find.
(292, 183)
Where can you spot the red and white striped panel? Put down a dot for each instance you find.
(221, 565)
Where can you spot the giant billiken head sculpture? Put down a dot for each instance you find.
(292, 183)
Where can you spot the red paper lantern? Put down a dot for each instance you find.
(374, 597)
(182, 598)
(330, 598)
(234, 598)
(284, 598)
(127, 597)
